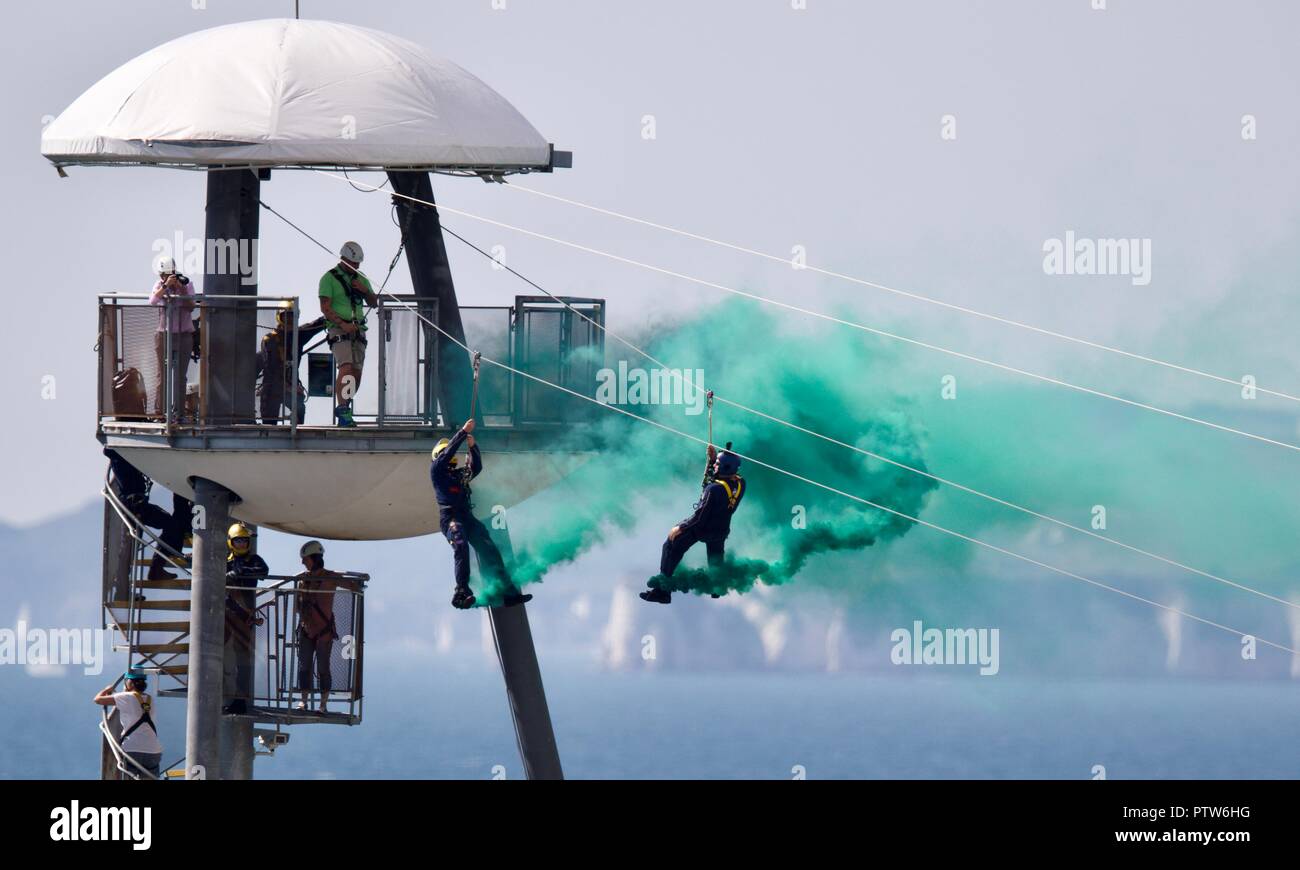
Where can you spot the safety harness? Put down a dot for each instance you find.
(330, 626)
(145, 702)
(346, 283)
(733, 495)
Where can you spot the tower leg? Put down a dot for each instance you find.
(207, 628)
(523, 677)
(236, 748)
(527, 696)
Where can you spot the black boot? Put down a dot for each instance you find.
(657, 596)
(463, 599)
(516, 597)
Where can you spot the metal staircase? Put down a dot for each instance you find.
(150, 617)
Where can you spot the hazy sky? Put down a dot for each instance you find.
(775, 127)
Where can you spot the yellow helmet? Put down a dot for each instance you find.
(441, 446)
(238, 532)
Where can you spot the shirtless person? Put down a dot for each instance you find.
(316, 630)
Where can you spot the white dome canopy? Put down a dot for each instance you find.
(284, 92)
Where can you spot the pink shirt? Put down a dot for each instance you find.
(182, 318)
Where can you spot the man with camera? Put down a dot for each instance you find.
(173, 294)
(344, 294)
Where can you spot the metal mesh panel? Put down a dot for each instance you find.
(136, 349)
(540, 356)
(558, 345)
(342, 649)
(487, 330)
(584, 357)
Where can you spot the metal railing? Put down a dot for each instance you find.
(155, 359)
(110, 726)
(269, 646)
(125, 599)
(300, 635)
(154, 373)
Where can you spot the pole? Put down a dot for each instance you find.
(229, 269)
(204, 683)
(236, 748)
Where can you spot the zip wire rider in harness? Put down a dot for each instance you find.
(711, 522)
(243, 569)
(458, 523)
(139, 738)
(344, 294)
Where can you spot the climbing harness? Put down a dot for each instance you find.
(733, 496)
(145, 703)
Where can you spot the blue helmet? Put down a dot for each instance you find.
(728, 464)
(135, 674)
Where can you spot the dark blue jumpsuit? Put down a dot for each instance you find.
(455, 517)
(711, 523)
(242, 574)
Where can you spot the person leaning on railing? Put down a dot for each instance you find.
(243, 569)
(344, 294)
(275, 361)
(173, 293)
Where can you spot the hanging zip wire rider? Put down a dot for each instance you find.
(344, 294)
(723, 488)
(458, 523)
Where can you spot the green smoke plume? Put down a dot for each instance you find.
(818, 378)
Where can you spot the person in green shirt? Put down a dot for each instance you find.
(344, 294)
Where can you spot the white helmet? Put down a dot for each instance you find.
(311, 548)
(166, 265)
(351, 251)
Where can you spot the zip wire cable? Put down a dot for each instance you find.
(853, 324)
(995, 548)
(910, 295)
(711, 396)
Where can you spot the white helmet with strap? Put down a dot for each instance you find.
(351, 251)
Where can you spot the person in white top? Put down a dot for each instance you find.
(136, 710)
